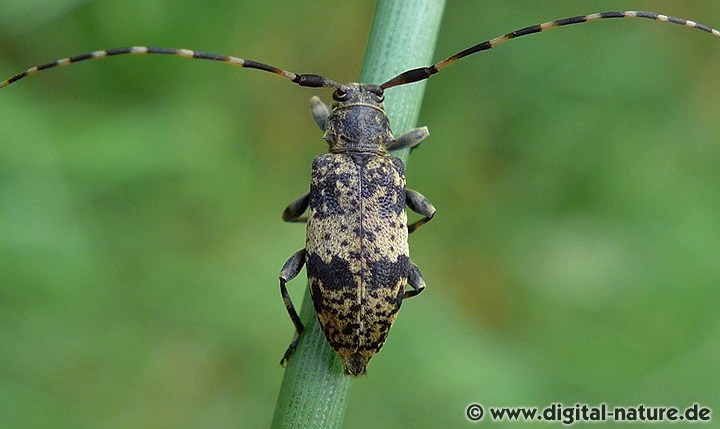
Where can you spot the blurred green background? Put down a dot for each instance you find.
(574, 258)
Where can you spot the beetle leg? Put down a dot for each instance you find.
(293, 212)
(410, 139)
(288, 272)
(320, 111)
(415, 281)
(419, 204)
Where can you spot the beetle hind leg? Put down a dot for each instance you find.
(415, 281)
(288, 272)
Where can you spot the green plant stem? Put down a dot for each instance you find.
(314, 389)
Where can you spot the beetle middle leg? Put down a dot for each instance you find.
(293, 212)
(421, 205)
(289, 271)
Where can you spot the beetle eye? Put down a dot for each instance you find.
(340, 95)
(378, 95)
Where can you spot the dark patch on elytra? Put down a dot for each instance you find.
(385, 273)
(329, 192)
(378, 182)
(335, 275)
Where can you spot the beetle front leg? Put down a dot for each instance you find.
(419, 204)
(293, 212)
(410, 139)
(320, 111)
(288, 272)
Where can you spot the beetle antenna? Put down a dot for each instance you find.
(310, 80)
(423, 73)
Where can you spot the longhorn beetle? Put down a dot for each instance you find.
(356, 251)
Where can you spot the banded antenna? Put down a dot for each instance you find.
(406, 77)
(423, 73)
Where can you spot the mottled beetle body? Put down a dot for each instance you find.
(357, 278)
(356, 251)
